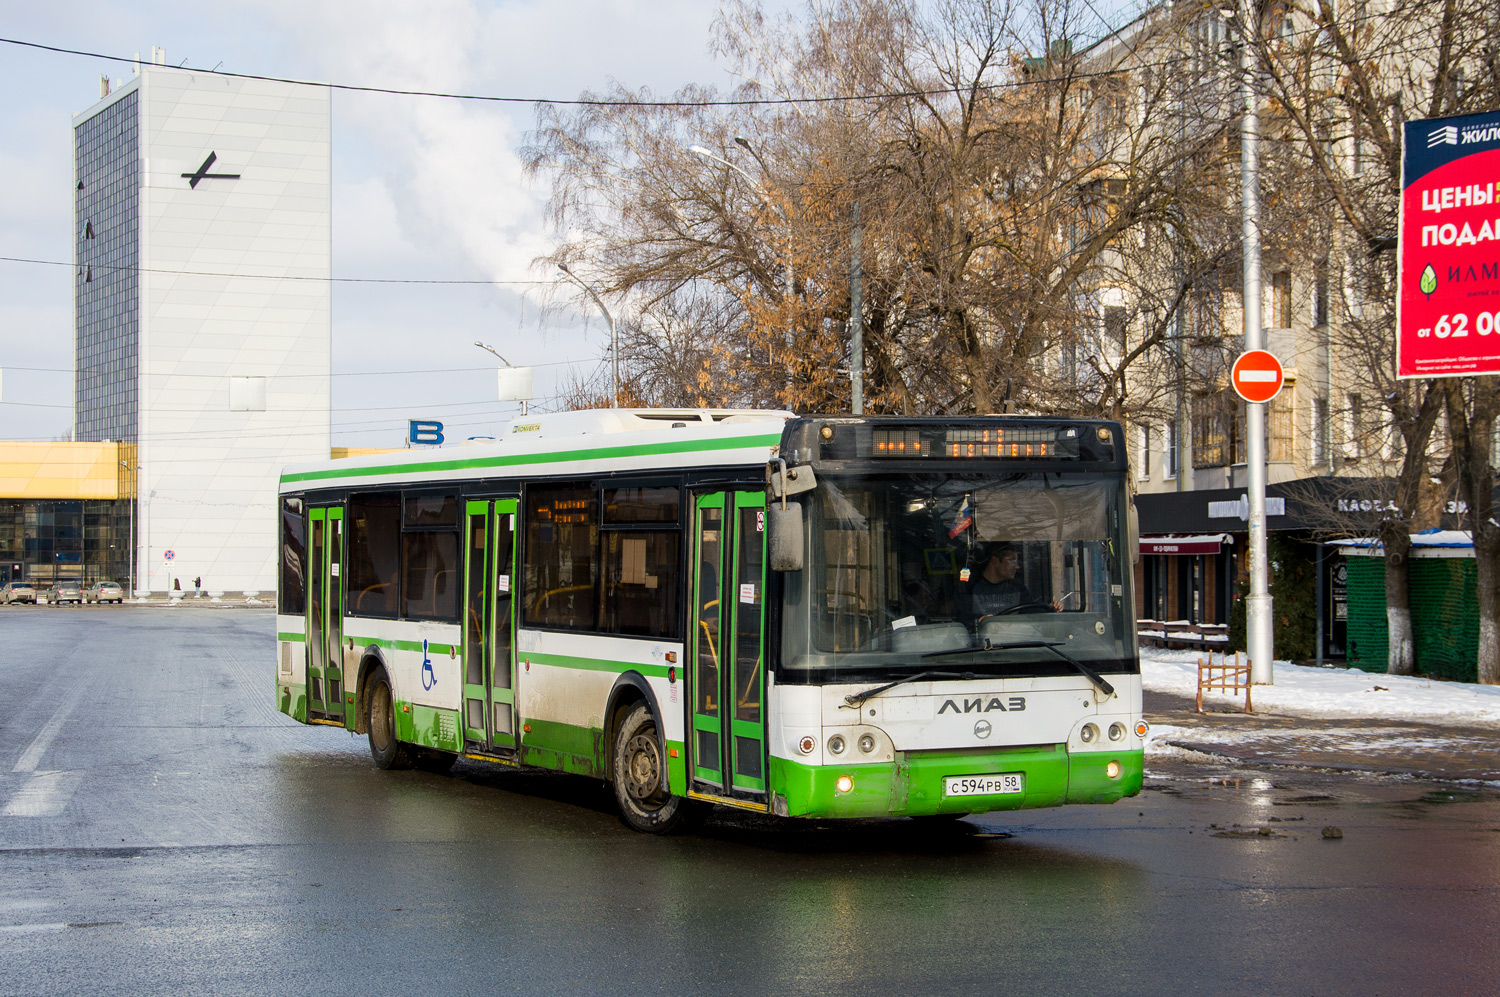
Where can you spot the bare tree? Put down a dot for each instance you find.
(1341, 78)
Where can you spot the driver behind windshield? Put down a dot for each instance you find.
(995, 587)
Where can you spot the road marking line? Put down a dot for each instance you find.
(46, 794)
(39, 744)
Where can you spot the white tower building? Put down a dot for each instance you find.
(203, 227)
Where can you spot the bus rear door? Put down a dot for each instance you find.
(728, 744)
(489, 625)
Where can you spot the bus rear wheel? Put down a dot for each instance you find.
(640, 777)
(380, 721)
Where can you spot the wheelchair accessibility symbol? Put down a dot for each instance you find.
(429, 677)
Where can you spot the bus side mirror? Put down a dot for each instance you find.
(784, 536)
(1133, 528)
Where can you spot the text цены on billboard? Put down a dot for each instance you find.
(1448, 278)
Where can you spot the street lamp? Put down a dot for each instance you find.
(1259, 638)
(614, 341)
(503, 382)
(134, 470)
(765, 199)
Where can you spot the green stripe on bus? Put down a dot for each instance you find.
(594, 664)
(297, 637)
(517, 460)
(401, 645)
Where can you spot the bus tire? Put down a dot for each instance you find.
(640, 777)
(380, 722)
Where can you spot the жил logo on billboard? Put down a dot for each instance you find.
(1429, 281)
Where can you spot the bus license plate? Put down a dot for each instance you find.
(984, 785)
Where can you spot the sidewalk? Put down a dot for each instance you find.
(1408, 747)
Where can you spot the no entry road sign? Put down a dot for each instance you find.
(1257, 376)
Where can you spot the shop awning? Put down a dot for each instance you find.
(1200, 543)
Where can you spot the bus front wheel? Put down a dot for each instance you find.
(385, 749)
(640, 777)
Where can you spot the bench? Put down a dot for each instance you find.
(1224, 676)
(1182, 634)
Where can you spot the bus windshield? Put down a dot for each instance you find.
(983, 573)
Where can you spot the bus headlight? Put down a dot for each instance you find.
(836, 744)
(866, 743)
(1088, 733)
(1116, 732)
(1112, 770)
(845, 784)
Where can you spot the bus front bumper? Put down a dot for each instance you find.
(913, 785)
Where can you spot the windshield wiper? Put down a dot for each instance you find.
(855, 700)
(1023, 645)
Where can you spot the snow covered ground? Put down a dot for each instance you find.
(1335, 692)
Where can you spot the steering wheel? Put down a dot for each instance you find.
(1025, 607)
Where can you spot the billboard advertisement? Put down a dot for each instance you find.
(1448, 275)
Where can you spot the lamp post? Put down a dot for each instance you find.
(134, 470)
(491, 349)
(765, 198)
(1259, 638)
(614, 341)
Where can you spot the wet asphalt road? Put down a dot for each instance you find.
(164, 830)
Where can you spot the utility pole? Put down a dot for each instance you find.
(1258, 619)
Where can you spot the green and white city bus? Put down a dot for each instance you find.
(799, 616)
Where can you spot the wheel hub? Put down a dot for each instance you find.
(642, 767)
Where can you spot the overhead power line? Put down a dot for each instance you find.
(267, 276)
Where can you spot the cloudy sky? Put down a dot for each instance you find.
(423, 188)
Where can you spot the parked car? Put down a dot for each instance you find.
(104, 592)
(17, 592)
(66, 590)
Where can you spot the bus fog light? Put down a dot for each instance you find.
(866, 743)
(1088, 733)
(836, 744)
(1112, 770)
(807, 744)
(1116, 731)
(844, 784)
(1141, 727)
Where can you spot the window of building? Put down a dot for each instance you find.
(1143, 452)
(1319, 431)
(1279, 426)
(1320, 293)
(1114, 329)
(293, 594)
(1354, 426)
(1281, 299)
(1173, 449)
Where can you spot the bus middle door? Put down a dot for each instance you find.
(489, 625)
(728, 645)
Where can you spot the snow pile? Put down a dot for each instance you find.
(1334, 692)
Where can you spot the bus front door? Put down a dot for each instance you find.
(728, 746)
(489, 626)
(325, 615)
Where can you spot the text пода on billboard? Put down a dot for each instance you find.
(1448, 279)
